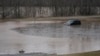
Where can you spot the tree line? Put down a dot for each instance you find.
(15, 8)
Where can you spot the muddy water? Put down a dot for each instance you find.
(52, 38)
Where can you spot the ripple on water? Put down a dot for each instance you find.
(60, 30)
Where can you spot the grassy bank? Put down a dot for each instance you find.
(86, 18)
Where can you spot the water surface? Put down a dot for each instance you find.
(49, 38)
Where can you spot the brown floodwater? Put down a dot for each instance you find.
(51, 38)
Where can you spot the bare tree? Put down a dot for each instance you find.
(3, 9)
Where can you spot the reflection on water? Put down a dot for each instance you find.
(49, 38)
(57, 30)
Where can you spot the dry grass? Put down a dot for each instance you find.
(95, 53)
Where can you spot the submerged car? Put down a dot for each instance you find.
(73, 22)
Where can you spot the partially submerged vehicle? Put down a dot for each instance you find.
(73, 22)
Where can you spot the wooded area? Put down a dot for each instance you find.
(48, 8)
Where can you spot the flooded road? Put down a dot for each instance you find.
(54, 38)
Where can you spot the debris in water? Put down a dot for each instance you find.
(21, 51)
